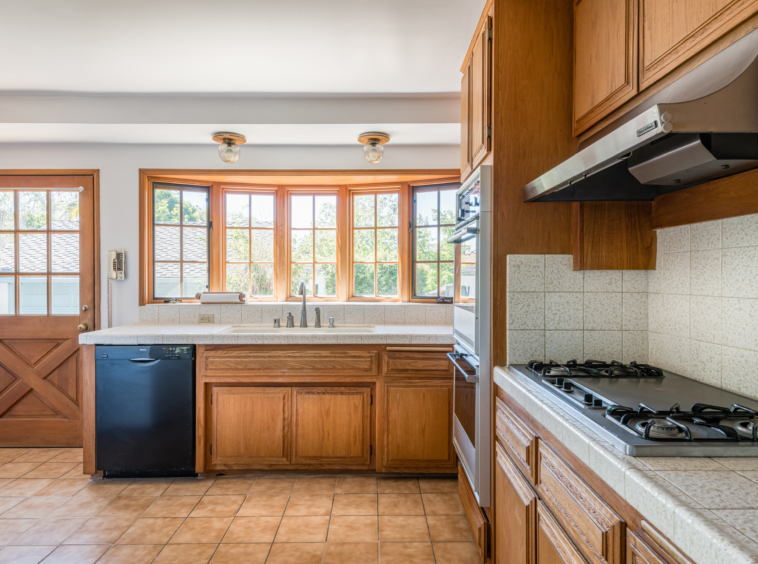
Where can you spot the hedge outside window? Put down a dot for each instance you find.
(313, 243)
(433, 256)
(375, 244)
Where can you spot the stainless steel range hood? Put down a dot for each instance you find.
(702, 127)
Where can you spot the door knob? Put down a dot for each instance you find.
(83, 327)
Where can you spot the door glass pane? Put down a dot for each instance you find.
(236, 277)
(7, 295)
(195, 206)
(32, 292)
(426, 208)
(65, 211)
(7, 208)
(387, 215)
(326, 211)
(237, 246)
(262, 245)
(302, 246)
(166, 206)
(302, 212)
(7, 252)
(468, 280)
(386, 245)
(167, 278)
(195, 244)
(32, 212)
(426, 280)
(447, 279)
(426, 243)
(263, 210)
(363, 245)
(447, 207)
(65, 295)
(237, 210)
(326, 246)
(363, 284)
(304, 273)
(468, 251)
(65, 252)
(386, 279)
(363, 211)
(262, 280)
(32, 252)
(166, 243)
(447, 251)
(195, 279)
(326, 279)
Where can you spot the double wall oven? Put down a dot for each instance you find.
(471, 327)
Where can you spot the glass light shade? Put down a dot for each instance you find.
(373, 152)
(229, 152)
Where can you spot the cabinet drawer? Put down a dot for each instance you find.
(418, 363)
(640, 553)
(255, 363)
(552, 543)
(517, 439)
(595, 528)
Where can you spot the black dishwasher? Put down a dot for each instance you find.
(145, 404)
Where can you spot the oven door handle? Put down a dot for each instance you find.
(469, 379)
(464, 234)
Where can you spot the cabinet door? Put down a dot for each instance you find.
(480, 99)
(466, 123)
(331, 425)
(553, 546)
(638, 552)
(605, 58)
(250, 425)
(515, 512)
(418, 425)
(676, 30)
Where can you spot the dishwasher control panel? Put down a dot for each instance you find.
(155, 352)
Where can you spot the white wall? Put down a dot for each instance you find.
(119, 183)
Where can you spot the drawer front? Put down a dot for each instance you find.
(552, 543)
(259, 363)
(595, 528)
(517, 439)
(400, 361)
(640, 553)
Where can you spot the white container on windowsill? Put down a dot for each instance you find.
(222, 297)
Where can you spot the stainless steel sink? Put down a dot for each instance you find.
(299, 330)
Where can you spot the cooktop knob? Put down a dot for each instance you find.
(567, 386)
(559, 382)
(588, 399)
(597, 403)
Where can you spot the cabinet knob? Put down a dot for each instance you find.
(83, 327)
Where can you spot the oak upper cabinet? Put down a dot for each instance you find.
(516, 511)
(466, 123)
(476, 104)
(673, 31)
(605, 58)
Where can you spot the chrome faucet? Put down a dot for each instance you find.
(303, 311)
(318, 318)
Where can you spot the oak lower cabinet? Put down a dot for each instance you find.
(638, 552)
(516, 511)
(553, 545)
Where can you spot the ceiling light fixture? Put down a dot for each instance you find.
(229, 149)
(373, 141)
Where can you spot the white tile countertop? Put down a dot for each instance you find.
(707, 506)
(215, 334)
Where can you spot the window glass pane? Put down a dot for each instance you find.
(326, 279)
(302, 246)
(7, 295)
(32, 292)
(426, 280)
(386, 245)
(386, 279)
(447, 279)
(426, 208)
(468, 280)
(7, 208)
(7, 253)
(426, 243)
(237, 210)
(363, 284)
(65, 252)
(447, 206)
(363, 211)
(387, 214)
(32, 212)
(166, 243)
(194, 279)
(363, 245)
(263, 210)
(195, 244)
(468, 251)
(237, 246)
(302, 273)
(65, 211)
(195, 207)
(32, 252)
(326, 211)
(326, 246)
(262, 280)
(236, 277)
(262, 248)
(166, 206)
(64, 295)
(302, 212)
(447, 251)
(167, 280)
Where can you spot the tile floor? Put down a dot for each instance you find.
(51, 513)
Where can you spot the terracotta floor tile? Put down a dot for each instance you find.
(76, 472)
(398, 485)
(7, 502)
(39, 455)
(151, 531)
(241, 554)
(17, 469)
(351, 552)
(251, 530)
(231, 486)
(100, 531)
(202, 530)
(443, 504)
(34, 507)
(80, 507)
(63, 487)
(5, 481)
(131, 554)
(127, 506)
(186, 554)
(263, 505)
(297, 553)
(172, 506)
(355, 504)
(356, 485)
(23, 487)
(218, 506)
(69, 455)
(24, 554)
(50, 470)
(106, 488)
(8, 454)
(302, 529)
(406, 553)
(50, 532)
(438, 485)
(271, 486)
(315, 485)
(83, 554)
(404, 528)
(309, 504)
(189, 486)
(147, 487)
(353, 529)
(449, 528)
(13, 528)
(400, 504)
(456, 553)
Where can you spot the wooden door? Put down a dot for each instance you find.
(418, 425)
(515, 512)
(605, 58)
(47, 279)
(466, 123)
(481, 58)
(553, 546)
(331, 425)
(250, 425)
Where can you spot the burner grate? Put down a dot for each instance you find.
(593, 369)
